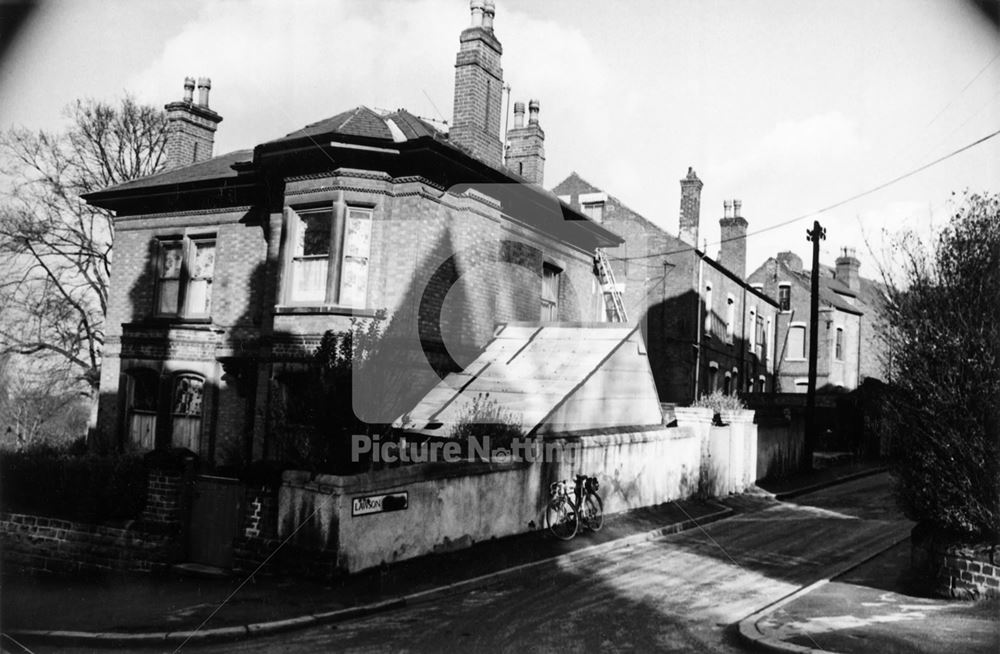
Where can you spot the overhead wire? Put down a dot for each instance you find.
(830, 207)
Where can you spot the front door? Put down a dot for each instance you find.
(215, 513)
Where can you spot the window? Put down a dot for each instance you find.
(550, 292)
(708, 309)
(838, 344)
(329, 259)
(785, 297)
(728, 387)
(594, 211)
(713, 376)
(730, 318)
(142, 388)
(761, 382)
(184, 277)
(796, 342)
(186, 408)
(752, 332)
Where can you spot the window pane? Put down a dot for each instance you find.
(309, 279)
(188, 396)
(550, 284)
(204, 260)
(313, 234)
(354, 268)
(784, 297)
(168, 296)
(199, 299)
(171, 255)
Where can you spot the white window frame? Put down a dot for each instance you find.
(338, 257)
(787, 285)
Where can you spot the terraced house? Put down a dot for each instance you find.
(229, 269)
(707, 329)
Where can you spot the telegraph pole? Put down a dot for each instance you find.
(816, 234)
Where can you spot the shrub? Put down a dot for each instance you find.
(484, 417)
(718, 402)
(943, 409)
(55, 483)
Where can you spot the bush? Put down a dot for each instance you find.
(943, 408)
(55, 483)
(718, 402)
(484, 418)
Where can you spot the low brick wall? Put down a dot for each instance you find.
(957, 570)
(37, 544)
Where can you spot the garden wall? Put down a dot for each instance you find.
(956, 570)
(32, 543)
(444, 506)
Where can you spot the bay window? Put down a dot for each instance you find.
(328, 263)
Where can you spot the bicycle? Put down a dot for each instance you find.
(566, 512)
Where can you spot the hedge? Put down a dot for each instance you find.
(58, 484)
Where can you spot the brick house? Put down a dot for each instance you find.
(849, 349)
(229, 269)
(705, 327)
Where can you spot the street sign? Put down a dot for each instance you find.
(369, 504)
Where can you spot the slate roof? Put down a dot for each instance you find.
(220, 167)
(364, 122)
(358, 122)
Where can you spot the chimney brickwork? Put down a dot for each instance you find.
(479, 88)
(526, 144)
(191, 126)
(733, 230)
(848, 266)
(690, 208)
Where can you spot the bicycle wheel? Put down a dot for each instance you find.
(561, 518)
(593, 512)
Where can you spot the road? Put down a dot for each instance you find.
(682, 593)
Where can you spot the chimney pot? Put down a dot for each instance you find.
(204, 86)
(736, 208)
(533, 107)
(489, 12)
(188, 89)
(477, 12)
(726, 206)
(518, 114)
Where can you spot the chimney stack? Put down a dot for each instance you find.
(790, 260)
(526, 144)
(848, 265)
(191, 126)
(734, 240)
(478, 88)
(690, 208)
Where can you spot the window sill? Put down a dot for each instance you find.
(322, 310)
(795, 360)
(170, 321)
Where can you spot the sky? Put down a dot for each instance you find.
(790, 106)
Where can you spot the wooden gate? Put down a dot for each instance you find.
(215, 516)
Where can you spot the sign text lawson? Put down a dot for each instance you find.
(380, 503)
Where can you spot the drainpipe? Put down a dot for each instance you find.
(743, 345)
(698, 326)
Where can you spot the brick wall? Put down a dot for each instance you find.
(41, 544)
(956, 570)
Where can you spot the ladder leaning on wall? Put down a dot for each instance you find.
(613, 302)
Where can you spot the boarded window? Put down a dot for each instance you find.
(187, 403)
(143, 387)
(796, 342)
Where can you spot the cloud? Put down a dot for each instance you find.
(278, 66)
(796, 150)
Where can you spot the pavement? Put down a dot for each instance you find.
(131, 610)
(877, 606)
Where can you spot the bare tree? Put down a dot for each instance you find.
(55, 250)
